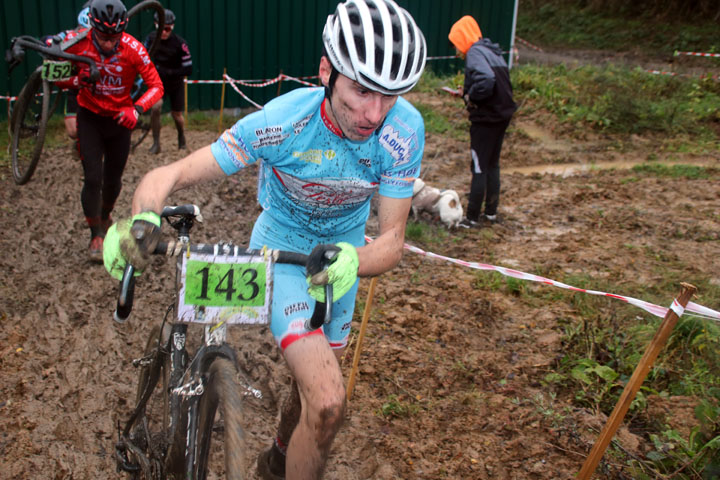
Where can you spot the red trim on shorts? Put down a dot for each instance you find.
(287, 340)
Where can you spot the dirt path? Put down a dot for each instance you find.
(451, 377)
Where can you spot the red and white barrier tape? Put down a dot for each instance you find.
(651, 308)
(662, 72)
(265, 83)
(529, 45)
(232, 84)
(698, 54)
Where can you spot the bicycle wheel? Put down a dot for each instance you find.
(151, 432)
(222, 390)
(139, 133)
(29, 123)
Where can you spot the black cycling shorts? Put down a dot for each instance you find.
(176, 93)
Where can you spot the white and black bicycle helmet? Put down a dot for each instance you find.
(377, 44)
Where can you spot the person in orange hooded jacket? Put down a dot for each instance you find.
(487, 92)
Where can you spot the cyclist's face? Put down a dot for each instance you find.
(167, 30)
(107, 42)
(355, 109)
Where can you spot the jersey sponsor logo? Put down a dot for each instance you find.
(314, 155)
(397, 182)
(325, 193)
(309, 156)
(366, 162)
(408, 172)
(269, 136)
(138, 47)
(236, 149)
(110, 81)
(399, 147)
(300, 124)
(296, 307)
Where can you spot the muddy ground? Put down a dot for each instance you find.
(458, 366)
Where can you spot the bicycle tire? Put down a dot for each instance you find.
(223, 391)
(160, 10)
(29, 125)
(152, 428)
(139, 133)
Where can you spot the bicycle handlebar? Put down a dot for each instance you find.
(321, 314)
(18, 53)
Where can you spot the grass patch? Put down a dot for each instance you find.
(424, 233)
(689, 172)
(621, 100)
(583, 27)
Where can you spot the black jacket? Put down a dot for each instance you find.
(172, 59)
(487, 87)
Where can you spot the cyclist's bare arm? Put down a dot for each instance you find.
(386, 251)
(155, 187)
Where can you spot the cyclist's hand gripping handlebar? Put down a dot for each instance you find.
(144, 242)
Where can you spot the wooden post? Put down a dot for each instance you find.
(361, 335)
(186, 100)
(633, 386)
(222, 102)
(279, 84)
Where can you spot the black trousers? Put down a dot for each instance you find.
(104, 149)
(486, 141)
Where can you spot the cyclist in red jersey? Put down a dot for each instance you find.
(106, 112)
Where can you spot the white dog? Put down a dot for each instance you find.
(444, 203)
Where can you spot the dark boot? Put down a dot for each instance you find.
(155, 147)
(271, 464)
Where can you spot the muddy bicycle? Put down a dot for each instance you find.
(38, 98)
(169, 431)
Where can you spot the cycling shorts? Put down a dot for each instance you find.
(292, 306)
(176, 93)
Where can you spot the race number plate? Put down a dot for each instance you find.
(233, 289)
(54, 70)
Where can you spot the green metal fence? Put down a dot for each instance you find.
(252, 40)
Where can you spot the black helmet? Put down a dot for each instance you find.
(169, 17)
(108, 16)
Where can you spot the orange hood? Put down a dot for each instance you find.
(464, 33)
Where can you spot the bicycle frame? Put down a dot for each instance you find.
(184, 396)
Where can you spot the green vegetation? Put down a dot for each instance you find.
(619, 26)
(621, 100)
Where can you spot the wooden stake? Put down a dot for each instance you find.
(186, 101)
(633, 386)
(222, 102)
(361, 335)
(279, 84)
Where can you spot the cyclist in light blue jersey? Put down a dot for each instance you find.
(322, 153)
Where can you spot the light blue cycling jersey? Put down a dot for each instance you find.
(314, 186)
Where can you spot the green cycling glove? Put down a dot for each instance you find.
(341, 274)
(120, 246)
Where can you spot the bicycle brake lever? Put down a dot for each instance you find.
(125, 298)
(323, 312)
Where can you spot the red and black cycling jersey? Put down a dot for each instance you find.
(172, 59)
(117, 75)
